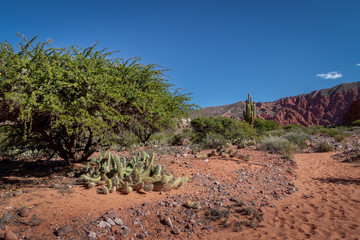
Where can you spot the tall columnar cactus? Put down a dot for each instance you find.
(250, 110)
(136, 174)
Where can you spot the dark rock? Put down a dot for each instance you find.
(62, 231)
(138, 213)
(206, 228)
(142, 235)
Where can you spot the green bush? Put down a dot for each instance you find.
(262, 125)
(74, 99)
(331, 132)
(356, 123)
(299, 138)
(228, 128)
(278, 145)
(213, 140)
(324, 147)
(340, 137)
(292, 127)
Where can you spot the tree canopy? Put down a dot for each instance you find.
(74, 99)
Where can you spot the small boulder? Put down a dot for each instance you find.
(9, 235)
(62, 231)
(24, 212)
(119, 221)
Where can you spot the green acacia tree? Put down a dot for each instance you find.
(74, 99)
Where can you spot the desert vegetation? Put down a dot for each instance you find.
(113, 124)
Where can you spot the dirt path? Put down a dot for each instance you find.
(327, 205)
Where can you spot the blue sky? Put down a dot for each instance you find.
(217, 50)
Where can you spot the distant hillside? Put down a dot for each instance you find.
(321, 107)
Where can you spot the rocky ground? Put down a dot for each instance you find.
(257, 196)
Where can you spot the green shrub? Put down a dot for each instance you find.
(292, 127)
(262, 125)
(213, 140)
(356, 123)
(299, 138)
(340, 137)
(74, 99)
(228, 128)
(331, 132)
(278, 145)
(324, 147)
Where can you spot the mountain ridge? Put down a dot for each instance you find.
(319, 107)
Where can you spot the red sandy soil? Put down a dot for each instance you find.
(326, 206)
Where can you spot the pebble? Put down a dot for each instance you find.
(206, 228)
(142, 235)
(92, 235)
(25, 212)
(175, 231)
(62, 231)
(167, 222)
(122, 231)
(119, 221)
(110, 221)
(3, 227)
(9, 235)
(18, 193)
(138, 213)
(104, 224)
(111, 214)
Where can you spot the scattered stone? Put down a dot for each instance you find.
(92, 235)
(24, 212)
(138, 213)
(62, 231)
(122, 231)
(111, 214)
(119, 221)
(104, 224)
(3, 226)
(18, 193)
(2, 194)
(167, 221)
(9, 235)
(206, 228)
(111, 222)
(175, 231)
(142, 235)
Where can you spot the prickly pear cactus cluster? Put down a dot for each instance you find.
(127, 175)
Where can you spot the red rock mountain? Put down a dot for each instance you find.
(321, 107)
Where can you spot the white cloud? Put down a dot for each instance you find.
(330, 75)
(358, 64)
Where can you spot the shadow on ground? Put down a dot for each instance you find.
(339, 181)
(18, 172)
